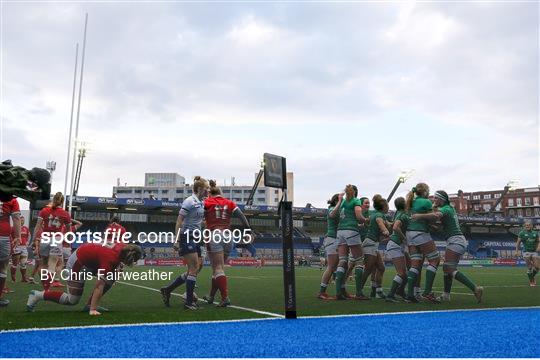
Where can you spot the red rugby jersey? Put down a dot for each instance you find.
(7, 209)
(218, 212)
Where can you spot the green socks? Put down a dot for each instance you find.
(448, 278)
(358, 272)
(462, 278)
(396, 283)
(340, 275)
(431, 271)
(411, 279)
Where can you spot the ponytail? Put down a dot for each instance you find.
(214, 189)
(57, 200)
(421, 189)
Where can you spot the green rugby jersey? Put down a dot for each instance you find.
(347, 217)
(529, 240)
(373, 230)
(404, 218)
(331, 223)
(449, 221)
(420, 205)
(364, 227)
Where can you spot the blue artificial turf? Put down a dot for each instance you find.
(484, 333)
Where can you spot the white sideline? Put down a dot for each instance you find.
(231, 306)
(265, 319)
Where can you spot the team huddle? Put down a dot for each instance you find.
(353, 237)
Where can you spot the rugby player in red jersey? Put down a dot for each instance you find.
(9, 208)
(19, 255)
(114, 231)
(94, 259)
(51, 220)
(218, 212)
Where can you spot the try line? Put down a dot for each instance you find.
(231, 306)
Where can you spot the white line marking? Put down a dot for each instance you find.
(266, 319)
(137, 324)
(420, 312)
(231, 306)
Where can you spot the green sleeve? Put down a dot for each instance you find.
(426, 205)
(445, 211)
(520, 235)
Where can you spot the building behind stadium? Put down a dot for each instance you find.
(173, 187)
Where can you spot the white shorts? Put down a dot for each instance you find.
(66, 253)
(5, 247)
(220, 242)
(457, 244)
(330, 245)
(370, 247)
(21, 250)
(348, 237)
(394, 251)
(75, 270)
(417, 238)
(530, 254)
(47, 249)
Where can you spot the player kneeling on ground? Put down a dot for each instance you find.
(89, 260)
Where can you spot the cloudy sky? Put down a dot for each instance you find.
(348, 92)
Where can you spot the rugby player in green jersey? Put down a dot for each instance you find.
(420, 243)
(376, 230)
(456, 244)
(395, 250)
(531, 249)
(349, 209)
(330, 247)
(363, 231)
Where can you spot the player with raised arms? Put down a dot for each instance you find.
(349, 209)
(456, 244)
(395, 250)
(531, 248)
(376, 229)
(188, 241)
(19, 255)
(52, 219)
(330, 247)
(94, 259)
(218, 214)
(9, 209)
(420, 243)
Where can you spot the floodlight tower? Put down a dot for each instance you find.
(403, 176)
(510, 186)
(51, 167)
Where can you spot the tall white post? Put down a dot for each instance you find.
(71, 121)
(78, 114)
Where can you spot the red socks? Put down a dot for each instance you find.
(52, 295)
(214, 288)
(221, 282)
(23, 273)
